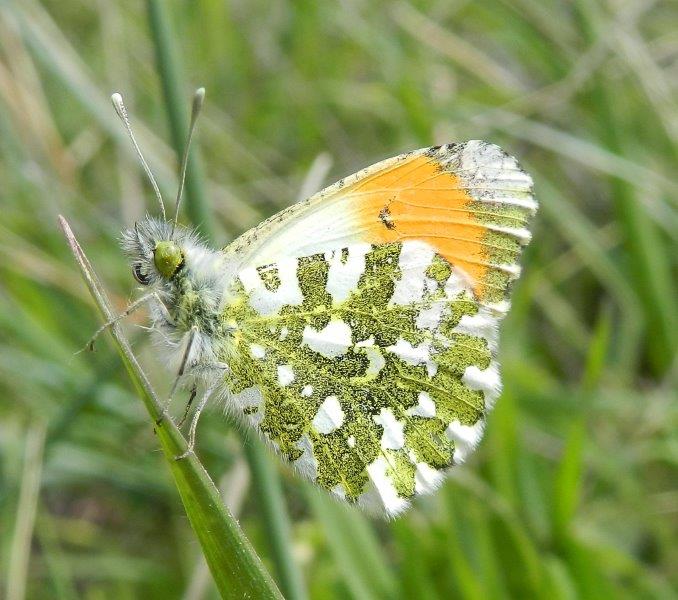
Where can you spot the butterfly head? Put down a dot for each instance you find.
(156, 250)
(156, 247)
(167, 258)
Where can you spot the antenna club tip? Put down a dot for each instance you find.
(118, 104)
(198, 99)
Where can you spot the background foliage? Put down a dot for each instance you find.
(572, 494)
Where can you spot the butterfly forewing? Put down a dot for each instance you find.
(366, 355)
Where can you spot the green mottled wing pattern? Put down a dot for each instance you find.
(370, 367)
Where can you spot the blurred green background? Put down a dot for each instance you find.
(572, 494)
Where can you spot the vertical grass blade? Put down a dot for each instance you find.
(237, 570)
(267, 485)
(357, 553)
(414, 577)
(56, 562)
(265, 478)
(197, 204)
(26, 510)
(650, 264)
(568, 483)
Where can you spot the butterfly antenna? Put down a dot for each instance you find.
(122, 113)
(198, 100)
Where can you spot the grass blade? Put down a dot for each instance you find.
(26, 512)
(650, 265)
(265, 477)
(269, 492)
(197, 204)
(237, 570)
(351, 540)
(568, 483)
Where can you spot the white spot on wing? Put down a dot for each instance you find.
(339, 492)
(306, 464)
(483, 324)
(257, 351)
(487, 381)
(329, 417)
(377, 361)
(285, 375)
(350, 440)
(513, 270)
(374, 355)
(521, 234)
(415, 257)
(459, 281)
(425, 408)
(343, 277)
(307, 391)
(521, 198)
(498, 309)
(426, 478)
(267, 302)
(392, 503)
(465, 438)
(332, 341)
(415, 355)
(429, 318)
(393, 437)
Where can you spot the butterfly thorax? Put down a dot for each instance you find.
(193, 304)
(189, 283)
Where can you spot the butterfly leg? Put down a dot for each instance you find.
(182, 369)
(194, 391)
(219, 369)
(125, 313)
(194, 421)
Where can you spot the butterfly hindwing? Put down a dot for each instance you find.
(369, 367)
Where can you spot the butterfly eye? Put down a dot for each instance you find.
(142, 278)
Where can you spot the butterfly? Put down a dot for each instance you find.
(356, 332)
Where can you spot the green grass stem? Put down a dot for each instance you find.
(265, 476)
(235, 566)
(197, 201)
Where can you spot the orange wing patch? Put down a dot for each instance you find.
(462, 207)
(470, 201)
(420, 201)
